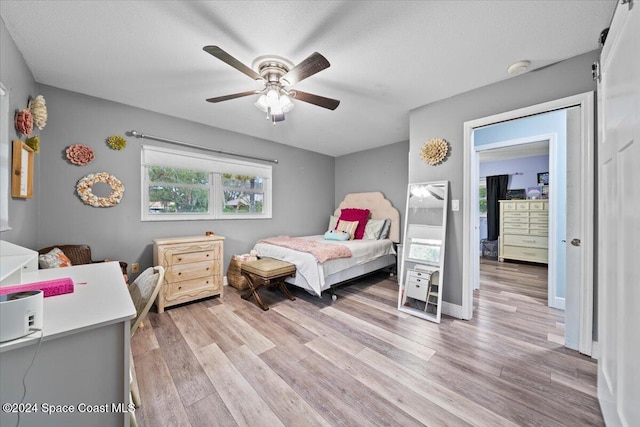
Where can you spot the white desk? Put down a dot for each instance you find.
(84, 356)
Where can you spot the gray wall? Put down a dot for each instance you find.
(445, 119)
(379, 169)
(303, 181)
(18, 80)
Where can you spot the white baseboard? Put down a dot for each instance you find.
(559, 303)
(452, 310)
(225, 282)
(595, 350)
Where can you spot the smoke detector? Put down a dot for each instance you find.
(518, 67)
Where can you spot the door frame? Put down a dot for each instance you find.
(471, 251)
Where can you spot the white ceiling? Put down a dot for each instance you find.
(387, 57)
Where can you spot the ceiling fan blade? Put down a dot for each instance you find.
(233, 96)
(225, 57)
(318, 100)
(313, 64)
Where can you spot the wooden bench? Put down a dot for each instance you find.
(267, 272)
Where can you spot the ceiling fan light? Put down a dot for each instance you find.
(276, 110)
(272, 94)
(285, 103)
(262, 103)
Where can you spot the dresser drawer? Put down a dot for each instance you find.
(540, 232)
(189, 257)
(509, 206)
(537, 206)
(525, 254)
(418, 275)
(515, 220)
(519, 231)
(539, 226)
(528, 241)
(520, 214)
(539, 220)
(417, 289)
(515, 225)
(539, 214)
(197, 288)
(194, 270)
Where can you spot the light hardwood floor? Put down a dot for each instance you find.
(360, 362)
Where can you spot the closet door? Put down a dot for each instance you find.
(619, 229)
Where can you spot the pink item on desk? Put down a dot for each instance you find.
(49, 288)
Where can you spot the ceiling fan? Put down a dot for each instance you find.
(277, 74)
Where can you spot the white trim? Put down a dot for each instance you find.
(595, 350)
(470, 201)
(5, 161)
(453, 310)
(558, 303)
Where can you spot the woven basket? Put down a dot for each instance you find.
(234, 277)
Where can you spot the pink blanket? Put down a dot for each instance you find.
(321, 250)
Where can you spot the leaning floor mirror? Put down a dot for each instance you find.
(422, 263)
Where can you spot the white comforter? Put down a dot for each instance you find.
(362, 251)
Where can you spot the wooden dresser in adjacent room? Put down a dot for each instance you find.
(193, 268)
(524, 230)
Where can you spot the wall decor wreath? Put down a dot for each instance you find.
(434, 151)
(85, 185)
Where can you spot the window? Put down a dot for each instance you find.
(482, 197)
(180, 185)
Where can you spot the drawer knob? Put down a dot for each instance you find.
(179, 287)
(207, 255)
(180, 274)
(207, 268)
(179, 259)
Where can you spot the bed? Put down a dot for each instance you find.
(366, 257)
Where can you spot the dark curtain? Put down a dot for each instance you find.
(496, 190)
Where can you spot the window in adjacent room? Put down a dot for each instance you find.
(182, 185)
(482, 197)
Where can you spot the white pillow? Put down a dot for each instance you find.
(373, 229)
(385, 230)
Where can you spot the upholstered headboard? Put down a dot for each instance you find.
(380, 208)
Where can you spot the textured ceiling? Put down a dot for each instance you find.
(387, 57)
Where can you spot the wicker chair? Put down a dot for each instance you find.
(144, 291)
(79, 254)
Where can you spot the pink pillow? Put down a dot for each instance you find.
(354, 214)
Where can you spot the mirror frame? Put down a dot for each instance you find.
(439, 268)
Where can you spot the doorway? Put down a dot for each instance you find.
(524, 162)
(570, 265)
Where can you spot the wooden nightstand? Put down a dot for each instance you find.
(193, 268)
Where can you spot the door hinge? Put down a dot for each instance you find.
(595, 71)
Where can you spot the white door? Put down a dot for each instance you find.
(619, 220)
